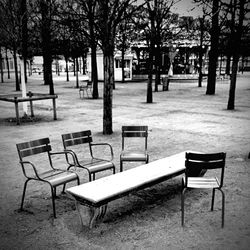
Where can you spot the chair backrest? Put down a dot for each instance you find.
(89, 84)
(196, 162)
(33, 147)
(135, 131)
(76, 138)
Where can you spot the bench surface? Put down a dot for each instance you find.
(103, 190)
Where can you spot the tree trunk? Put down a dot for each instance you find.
(1, 64)
(108, 62)
(231, 99)
(7, 62)
(157, 67)
(24, 36)
(150, 63)
(83, 65)
(213, 54)
(201, 52)
(236, 54)
(46, 45)
(76, 69)
(16, 69)
(94, 72)
(123, 64)
(67, 68)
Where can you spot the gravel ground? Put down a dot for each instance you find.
(184, 118)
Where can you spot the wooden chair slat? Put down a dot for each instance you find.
(204, 165)
(77, 141)
(205, 157)
(34, 143)
(134, 128)
(34, 150)
(134, 134)
(76, 135)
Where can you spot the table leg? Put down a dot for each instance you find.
(54, 108)
(90, 216)
(17, 114)
(31, 109)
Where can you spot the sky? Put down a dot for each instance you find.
(186, 8)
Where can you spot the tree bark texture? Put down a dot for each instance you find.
(236, 55)
(1, 64)
(16, 69)
(46, 45)
(94, 72)
(24, 40)
(213, 54)
(108, 62)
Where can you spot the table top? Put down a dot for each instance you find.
(114, 185)
(17, 97)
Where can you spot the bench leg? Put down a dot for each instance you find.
(90, 216)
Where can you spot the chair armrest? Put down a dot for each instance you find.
(67, 152)
(23, 164)
(104, 144)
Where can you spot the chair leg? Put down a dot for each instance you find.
(90, 178)
(121, 166)
(182, 206)
(212, 204)
(114, 170)
(24, 191)
(93, 176)
(223, 208)
(53, 200)
(64, 185)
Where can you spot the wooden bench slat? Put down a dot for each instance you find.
(109, 188)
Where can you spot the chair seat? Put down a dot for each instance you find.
(202, 182)
(97, 165)
(129, 156)
(58, 177)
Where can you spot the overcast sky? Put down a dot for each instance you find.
(186, 8)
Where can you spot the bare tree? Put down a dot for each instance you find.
(10, 26)
(111, 13)
(242, 10)
(213, 54)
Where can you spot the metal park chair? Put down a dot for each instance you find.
(87, 88)
(76, 141)
(29, 161)
(199, 161)
(134, 155)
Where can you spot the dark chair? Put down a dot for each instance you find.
(199, 161)
(51, 175)
(132, 155)
(84, 156)
(87, 88)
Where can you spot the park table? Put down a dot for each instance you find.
(31, 97)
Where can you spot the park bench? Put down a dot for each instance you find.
(92, 197)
